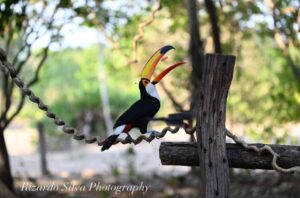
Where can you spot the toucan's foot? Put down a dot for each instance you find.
(128, 139)
(151, 133)
(156, 134)
(148, 133)
(187, 125)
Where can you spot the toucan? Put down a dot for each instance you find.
(142, 111)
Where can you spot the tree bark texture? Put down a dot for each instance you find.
(210, 129)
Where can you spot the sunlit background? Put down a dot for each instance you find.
(83, 53)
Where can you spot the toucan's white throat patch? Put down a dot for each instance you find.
(151, 90)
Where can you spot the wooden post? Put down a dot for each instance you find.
(43, 149)
(215, 82)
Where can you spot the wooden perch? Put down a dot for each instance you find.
(186, 154)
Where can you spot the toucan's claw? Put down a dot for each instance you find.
(151, 134)
(156, 134)
(128, 139)
(148, 134)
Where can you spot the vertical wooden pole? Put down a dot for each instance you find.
(43, 150)
(215, 82)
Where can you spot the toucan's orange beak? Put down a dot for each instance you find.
(153, 61)
(165, 72)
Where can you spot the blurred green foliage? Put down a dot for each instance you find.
(265, 93)
(69, 83)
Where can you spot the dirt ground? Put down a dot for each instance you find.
(245, 184)
(83, 165)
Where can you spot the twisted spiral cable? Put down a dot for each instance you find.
(262, 149)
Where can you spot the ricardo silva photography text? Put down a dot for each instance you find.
(93, 186)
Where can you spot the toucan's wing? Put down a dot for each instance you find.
(135, 112)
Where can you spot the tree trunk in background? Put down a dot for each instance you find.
(104, 93)
(196, 52)
(5, 173)
(213, 17)
(4, 192)
(43, 149)
(196, 55)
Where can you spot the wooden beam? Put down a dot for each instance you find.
(215, 82)
(186, 154)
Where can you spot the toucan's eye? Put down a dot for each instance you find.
(145, 82)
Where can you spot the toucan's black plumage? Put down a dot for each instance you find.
(142, 111)
(139, 114)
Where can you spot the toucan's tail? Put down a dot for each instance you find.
(109, 142)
